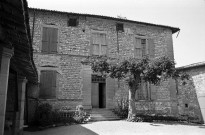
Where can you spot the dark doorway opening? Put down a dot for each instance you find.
(102, 95)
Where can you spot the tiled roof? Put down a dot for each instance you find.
(173, 29)
(16, 31)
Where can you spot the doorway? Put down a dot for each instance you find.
(102, 95)
(98, 95)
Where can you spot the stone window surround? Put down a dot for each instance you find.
(49, 26)
(98, 31)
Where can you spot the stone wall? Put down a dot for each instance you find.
(74, 45)
(191, 92)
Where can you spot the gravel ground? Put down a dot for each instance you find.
(124, 128)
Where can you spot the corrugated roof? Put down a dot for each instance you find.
(173, 29)
(194, 65)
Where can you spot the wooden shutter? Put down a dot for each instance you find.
(153, 91)
(45, 40)
(48, 84)
(151, 48)
(138, 48)
(103, 44)
(53, 84)
(53, 40)
(172, 88)
(95, 44)
(43, 83)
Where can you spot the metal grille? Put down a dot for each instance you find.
(97, 79)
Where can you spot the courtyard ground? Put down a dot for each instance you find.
(124, 128)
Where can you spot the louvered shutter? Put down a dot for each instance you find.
(53, 84)
(45, 40)
(48, 84)
(172, 88)
(103, 44)
(151, 48)
(138, 48)
(53, 40)
(153, 91)
(43, 79)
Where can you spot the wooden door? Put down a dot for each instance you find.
(95, 95)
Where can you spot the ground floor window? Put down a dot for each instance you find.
(48, 84)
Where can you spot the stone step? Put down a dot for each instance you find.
(102, 115)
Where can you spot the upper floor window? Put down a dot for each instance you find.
(99, 44)
(48, 84)
(143, 47)
(49, 40)
(73, 22)
(120, 27)
(140, 47)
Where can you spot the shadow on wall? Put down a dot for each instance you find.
(65, 130)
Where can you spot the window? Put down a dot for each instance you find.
(120, 27)
(48, 84)
(146, 91)
(143, 92)
(73, 22)
(144, 47)
(49, 40)
(140, 47)
(99, 44)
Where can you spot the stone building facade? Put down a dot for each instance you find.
(62, 40)
(191, 94)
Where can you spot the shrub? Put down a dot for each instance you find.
(43, 114)
(122, 108)
(80, 115)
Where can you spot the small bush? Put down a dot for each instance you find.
(122, 108)
(43, 114)
(80, 115)
(46, 116)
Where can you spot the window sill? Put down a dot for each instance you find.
(148, 100)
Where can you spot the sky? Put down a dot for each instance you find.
(188, 15)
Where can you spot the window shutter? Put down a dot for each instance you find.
(42, 93)
(151, 48)
(138, 92)
(138, 48)
(91, 44)
(45, 40)
(172, 88)
(153, 92)
(53, 84)
(53, 40)
(48, 84)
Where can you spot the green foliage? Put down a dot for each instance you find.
(80, 115)
(133, 69)
(43, 114)
(122, 108)
(46, 116)
(152, 118)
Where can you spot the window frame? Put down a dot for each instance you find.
(100, 45)
(41, 43)
(146, 52)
